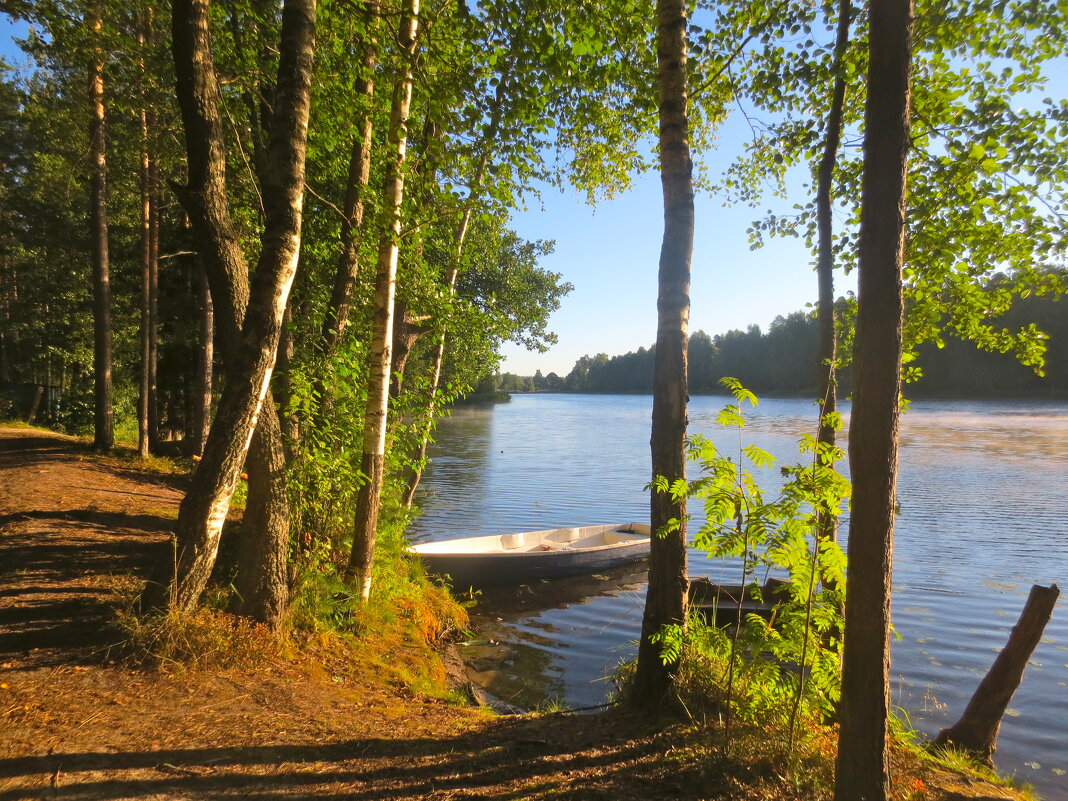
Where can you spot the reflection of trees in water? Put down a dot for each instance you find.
(509, 601)
(517, 672)
(514, 655)
(459, 463)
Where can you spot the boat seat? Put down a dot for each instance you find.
(566, 534)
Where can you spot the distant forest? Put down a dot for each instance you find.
(782, 361)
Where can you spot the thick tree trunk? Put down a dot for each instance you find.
(372, 463)
(863, 766)
(205, 363)
(977, 730)
(828, 351)
(249, 367)
(104, 421)
(665, 601)
(262, 581)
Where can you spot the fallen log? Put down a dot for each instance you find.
(977, 729)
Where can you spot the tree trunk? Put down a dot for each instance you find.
(337, 311)
(828, 350)
(665, 601)
(104, 420)
(863, 766)
(262, 581)
(146, 284)
(977, 729)
(407, 330)
(372, 463)
(153, 288)
(205, 363)
(249, 366)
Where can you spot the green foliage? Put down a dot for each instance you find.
(787, 666)
(986, 223)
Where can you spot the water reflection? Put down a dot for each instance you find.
(982, 519)
(525, 644)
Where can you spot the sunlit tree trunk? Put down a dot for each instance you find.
(863, 766)
(372, 464)
(205, 363)
(147, 416)
(104, 422)
(665, 601)
(459, 237)
(146, 288)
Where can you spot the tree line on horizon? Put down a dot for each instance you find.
(784, 359)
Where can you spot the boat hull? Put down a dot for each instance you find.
(721, 604)
(539, 555)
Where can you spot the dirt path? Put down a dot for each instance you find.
(75, 725)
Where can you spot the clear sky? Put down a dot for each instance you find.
(611, 252)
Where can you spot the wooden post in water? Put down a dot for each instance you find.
(977, 729)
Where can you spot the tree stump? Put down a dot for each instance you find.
(977, 729)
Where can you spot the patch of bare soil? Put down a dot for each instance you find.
(74, 724)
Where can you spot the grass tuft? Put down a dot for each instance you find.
(201, 639)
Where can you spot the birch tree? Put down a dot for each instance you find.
(373, 460)
(254, 309)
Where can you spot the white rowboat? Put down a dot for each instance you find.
(534, 555)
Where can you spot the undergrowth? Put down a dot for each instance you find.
(394, 635)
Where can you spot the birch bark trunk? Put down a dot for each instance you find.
(250, 315)
(372, 464)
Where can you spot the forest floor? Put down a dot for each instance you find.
(78, 722)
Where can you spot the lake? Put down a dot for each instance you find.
(982, 491)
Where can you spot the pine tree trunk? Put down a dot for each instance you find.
(665, 601)
(372, 463)
(146, 287)
(863, 766)
(153, 289)
(249, 366)
(828, 349)
(104, 422)
(205, 363)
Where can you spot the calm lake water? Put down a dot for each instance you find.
(983, 516)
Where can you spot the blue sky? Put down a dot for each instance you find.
(611, 252)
